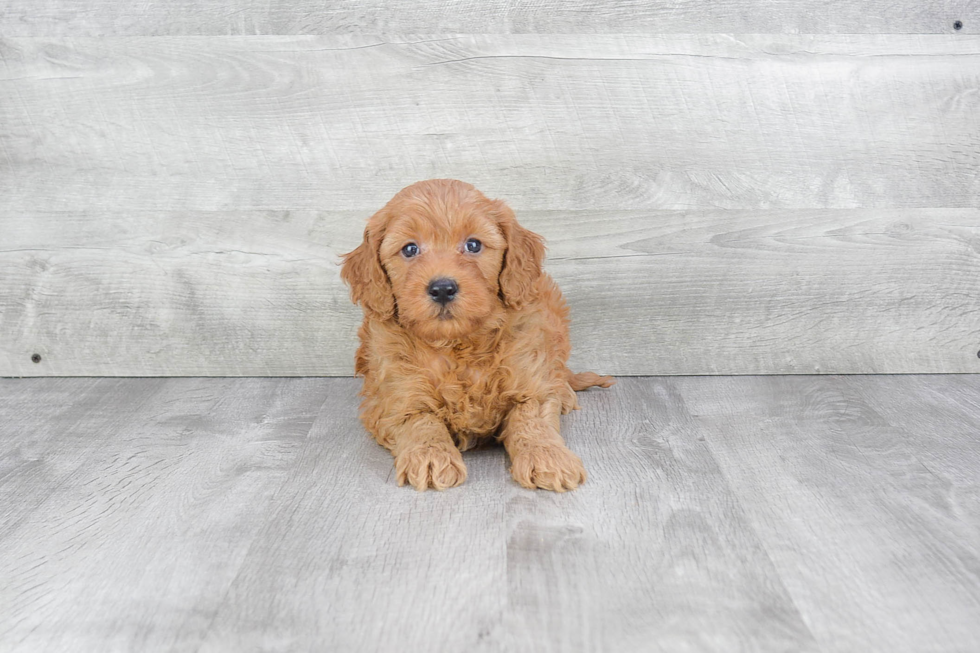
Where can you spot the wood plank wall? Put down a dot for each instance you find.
(735, 187)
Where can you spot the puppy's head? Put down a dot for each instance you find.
(442, 259)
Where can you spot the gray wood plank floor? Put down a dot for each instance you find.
(721, 514)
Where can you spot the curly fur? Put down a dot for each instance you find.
(491, 364)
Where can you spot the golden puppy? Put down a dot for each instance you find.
(464, 337)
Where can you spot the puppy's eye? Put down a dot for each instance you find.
(410, 250)
(473, 246)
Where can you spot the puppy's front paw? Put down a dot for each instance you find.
(430, 465)
(549, 467)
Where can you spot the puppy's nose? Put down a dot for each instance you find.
(443, 290)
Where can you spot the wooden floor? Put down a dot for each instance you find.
(807, 513)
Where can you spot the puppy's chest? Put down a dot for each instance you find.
(473, 394)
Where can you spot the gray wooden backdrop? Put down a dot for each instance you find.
(736, 187)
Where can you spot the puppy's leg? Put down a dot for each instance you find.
(425, 455)
(538, 455)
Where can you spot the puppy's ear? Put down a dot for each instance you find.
(362, 271)
(522, 260)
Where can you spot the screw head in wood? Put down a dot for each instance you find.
(958, 25)
(36, 358)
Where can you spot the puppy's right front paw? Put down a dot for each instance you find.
(430, 465)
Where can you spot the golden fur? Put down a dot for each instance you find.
(491, 363)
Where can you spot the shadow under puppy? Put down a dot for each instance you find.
(464, 338)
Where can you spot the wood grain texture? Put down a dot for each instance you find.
(552, 122)
(716, 204)
(156, 509)
(179, 294)
(500, 568)
(411, 572)
(163, 520)
(942, 433)
(863, 494)
(672, 292)
(721, 514)
(224, 17)
(71, 415)
(655, 554)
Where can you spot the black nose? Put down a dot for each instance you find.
(443, 291)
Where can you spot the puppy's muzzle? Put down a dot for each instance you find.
(442, 291)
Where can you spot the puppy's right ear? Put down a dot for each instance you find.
(362, 271)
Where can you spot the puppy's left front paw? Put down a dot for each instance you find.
(549, 467)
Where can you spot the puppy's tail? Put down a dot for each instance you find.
(584, 380)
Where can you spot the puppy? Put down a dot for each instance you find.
(464, 338)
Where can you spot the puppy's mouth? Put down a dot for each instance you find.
(444, 314)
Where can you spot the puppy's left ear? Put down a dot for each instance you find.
(522, 260)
